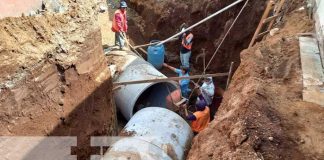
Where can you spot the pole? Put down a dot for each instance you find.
(229, 75)
(170, 79)
(200, 22)
(264, 16)
(204, 58)
(124, 36)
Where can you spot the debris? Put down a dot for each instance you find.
(270, 138)
(32, 13)
(102, 8)
(301, 8)
(113, 70)
(274, 31)
(61, 102)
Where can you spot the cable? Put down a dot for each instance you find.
(216, 51)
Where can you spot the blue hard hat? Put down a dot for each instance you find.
(123, 4)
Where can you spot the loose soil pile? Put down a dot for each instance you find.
(262, 115)
(53, 76)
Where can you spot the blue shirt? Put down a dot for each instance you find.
(184, 83)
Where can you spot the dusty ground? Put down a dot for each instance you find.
(262, 115)
(53, 76)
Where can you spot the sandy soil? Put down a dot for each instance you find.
(54, 78)
(262, 115)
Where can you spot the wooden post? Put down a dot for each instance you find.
(229, 75)
(265, 15)
(204, 58)
(278, 9)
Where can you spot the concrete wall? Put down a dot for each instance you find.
(14, 8)
(319, 25)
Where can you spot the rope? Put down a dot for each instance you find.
(226, 34)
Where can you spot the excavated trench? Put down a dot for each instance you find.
(54, 81)
(159, 20)
(81, 62)
(154, 25)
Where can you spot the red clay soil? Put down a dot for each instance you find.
(163, 19)
(262, 115)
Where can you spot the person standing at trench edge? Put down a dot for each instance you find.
(186, 45)
(119, 25)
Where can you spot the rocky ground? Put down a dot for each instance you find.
(53, 76)
(262, 115)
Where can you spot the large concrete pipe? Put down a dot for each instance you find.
(154, 133)
(131, 98)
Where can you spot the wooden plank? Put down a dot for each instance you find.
(270, 18)
(170, 79)
(265, 15)
(180, 102)
(278, 9)
(262, 34)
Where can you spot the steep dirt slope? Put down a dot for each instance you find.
(262, 115)
(163, 19)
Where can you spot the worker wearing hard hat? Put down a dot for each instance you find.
(184, 83)
(200, 118)
(186, 45)
(119, 25)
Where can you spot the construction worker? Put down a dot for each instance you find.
(200, 118)
(207, 90)
(186, 44)
(184, 83)
(119, 25)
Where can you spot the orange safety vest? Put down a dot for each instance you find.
(187, 46)
(202, 120)
(115, 27)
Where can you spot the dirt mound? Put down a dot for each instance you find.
(54, 78)
(262, 115)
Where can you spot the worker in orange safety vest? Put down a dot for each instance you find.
(119, 25)
(186, 45)
(201, 118)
